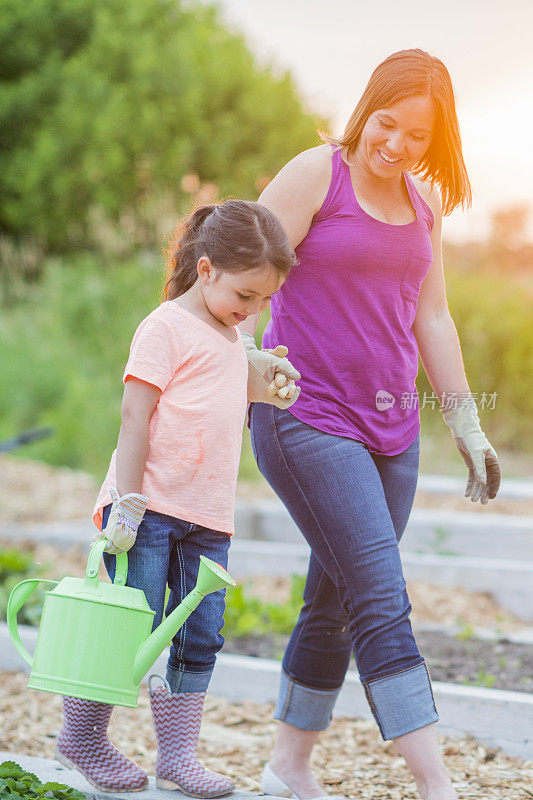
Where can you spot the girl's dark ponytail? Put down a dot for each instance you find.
(236, 236)
(180, 253)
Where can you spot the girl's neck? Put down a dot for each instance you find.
(193, 302)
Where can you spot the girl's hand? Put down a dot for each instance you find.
(265, 367)
(484, 472)
(124, 519)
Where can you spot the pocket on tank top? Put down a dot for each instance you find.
(415, 272)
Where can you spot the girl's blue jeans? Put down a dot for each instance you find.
(168, 550)
(352, 507)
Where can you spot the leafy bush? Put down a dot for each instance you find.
(16, 566)
(246, 615)
(17, 784)
(493, 319)
(107, 106)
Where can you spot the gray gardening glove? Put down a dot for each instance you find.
(271, 375)
(124, 519)
(484, 473)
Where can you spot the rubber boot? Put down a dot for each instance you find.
(83, 745)
(177, 719)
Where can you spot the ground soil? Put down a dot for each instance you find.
(500, 664)
(236, 738)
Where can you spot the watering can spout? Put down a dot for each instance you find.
(211, 577)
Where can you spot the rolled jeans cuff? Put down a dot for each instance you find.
(303, 707)
(402, 703)
(187, 682)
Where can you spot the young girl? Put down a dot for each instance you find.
(170, 487)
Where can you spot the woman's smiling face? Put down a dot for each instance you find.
(395, 138)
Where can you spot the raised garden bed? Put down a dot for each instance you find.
(498, 664)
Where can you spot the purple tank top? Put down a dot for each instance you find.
(346, 314)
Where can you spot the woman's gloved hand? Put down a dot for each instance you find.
(124, 519)
(484, 473)
(271, 375)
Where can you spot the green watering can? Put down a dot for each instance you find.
(94, 639)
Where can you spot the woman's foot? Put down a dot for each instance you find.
(421, 752)
(443, 792)
(298, 778)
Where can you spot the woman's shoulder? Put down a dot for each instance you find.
(303, 184)
(312, 164)
(428, 193)
(309, 168)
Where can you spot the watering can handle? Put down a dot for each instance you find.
(121, 571)
(17, 598)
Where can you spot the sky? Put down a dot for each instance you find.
(332, 46)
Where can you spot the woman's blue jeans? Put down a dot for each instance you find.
(352, 507)
(168, 550)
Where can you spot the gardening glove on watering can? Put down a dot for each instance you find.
(271, 375)
(484, 473)
(124, 519)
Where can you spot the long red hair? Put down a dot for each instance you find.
(415, 72)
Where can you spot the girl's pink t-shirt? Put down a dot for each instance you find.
(196, 428)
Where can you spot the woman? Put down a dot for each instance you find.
(365, 299)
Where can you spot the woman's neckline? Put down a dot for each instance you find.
(206, 324)
(375, 219)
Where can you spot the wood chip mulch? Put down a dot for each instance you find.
(236, 739)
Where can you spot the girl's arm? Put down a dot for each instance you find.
(138, 405)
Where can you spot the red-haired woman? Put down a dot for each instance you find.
(366, 298)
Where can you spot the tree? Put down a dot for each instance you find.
(106, 104)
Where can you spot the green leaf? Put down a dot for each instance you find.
(62, 792)
(61, 787)
(16, 784)
(8, 769)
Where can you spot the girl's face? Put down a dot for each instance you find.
(232, 296)
(395, 138)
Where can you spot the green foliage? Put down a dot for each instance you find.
(64, 346)
(440, 539)
(486, 679)
(16, 566)
(17, 784)
(466, 631)
(246, 615)
(108, 105)
(493, 319)
(63, 351)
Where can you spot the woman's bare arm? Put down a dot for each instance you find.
(294, 196)
(434, 329)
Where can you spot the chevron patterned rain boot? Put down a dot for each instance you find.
(83, 745)
(177, 719)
